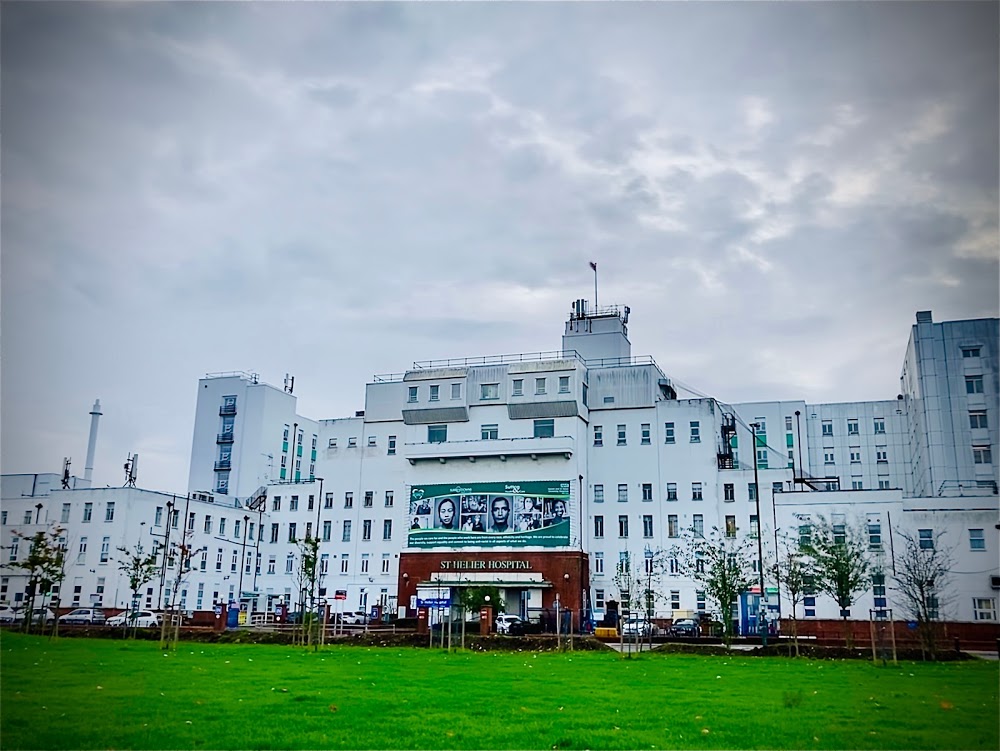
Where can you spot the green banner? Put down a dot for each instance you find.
(490, 514)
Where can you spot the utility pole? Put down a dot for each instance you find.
(761, 625)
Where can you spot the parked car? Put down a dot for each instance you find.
(10, 614)
(88, 616)
(638, 626)
(38, 615)
(504, 623)
(136, 618)
(685, 627)
(521, 628)
(355, 618)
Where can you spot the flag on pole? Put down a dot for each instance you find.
(593, 265)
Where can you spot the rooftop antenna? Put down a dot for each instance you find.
(65, 474)
(289, 383)
(131, 470)
(593, 265)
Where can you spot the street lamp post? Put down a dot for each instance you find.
(243, 555)
(761, 625)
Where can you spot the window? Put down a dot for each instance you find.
(563, 384)
(293, 505)
(852, 427)
(64, 519)
(647, 491)
(598, 435)
(389, 498)
(385, 563)
(289, 563)
(274, 532)
(369, 498)
(489, 432)
(805, 535)
(545, 428)
(598, 494)
(392, 445)
(366, 530)
(827, 427)
(874, 533)
(437, 433)
(345, 561)
(412, 394)
(208, 525)
(977, 419)
(729, 492)
(352, 443)
(730, 526)
(839, 524)
(623, 493)
(695, 431)
(668, 429)
(328, 500)
(977, 541)
(982, 455)
(15, 543)
(700, 599)
(598, 563)
(191, 517)
(645, 434)
(539, 386)
(621, 435)
(984, 609)
(598, 526)
(599, 599)
(346, 533)
(332, 443)
(456, 391)
(878, 590)
(517, 387)
(88, 512)
(696, 491)
(623, 526)
(435, 393)
(828, 457)
(970, 351)
(327, 530)
(881, 455)
(675, 566)
(879, 425)
(857, 485)
(291, 532)
(698, 524)
(372, 441)
(647, 525)
(105, 549)
(675, 599)
(762, 458)
(348, 500)
(673, 528)
(974, 384)
(883, 484)
(276, 503)
(158, 518)
(671, 491)
(855, 455)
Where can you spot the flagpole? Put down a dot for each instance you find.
(593, 265)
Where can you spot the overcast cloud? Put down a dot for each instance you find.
(337, 190)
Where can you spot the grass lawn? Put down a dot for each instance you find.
(84, 693)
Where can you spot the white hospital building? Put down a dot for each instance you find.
(537, 473)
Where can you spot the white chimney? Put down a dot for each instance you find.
(95, 418)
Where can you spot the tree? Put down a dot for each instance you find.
(308, 578)
(724, 565)
(793, 570)
(922, 574)
(840, 555)
(138, 567)
(630, 587)
(44, 565)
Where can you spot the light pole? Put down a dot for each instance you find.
(243, 555)
(761, 625)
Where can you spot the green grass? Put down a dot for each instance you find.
(83, 693)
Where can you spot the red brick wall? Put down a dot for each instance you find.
(831, 633)
(553, 566)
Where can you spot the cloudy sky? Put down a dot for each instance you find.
(337, 190)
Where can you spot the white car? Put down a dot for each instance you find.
(504, 622)
(638, 627)
(9, 614)
(137, 618)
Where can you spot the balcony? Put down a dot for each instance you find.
(224, 438)
(495, 448)
(227, 409)
(223, 465)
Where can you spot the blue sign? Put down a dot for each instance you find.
(434, 602)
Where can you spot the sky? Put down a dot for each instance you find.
(336, 190)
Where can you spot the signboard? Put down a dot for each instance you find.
(490, 514)
(434, 602)
(340, 594)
